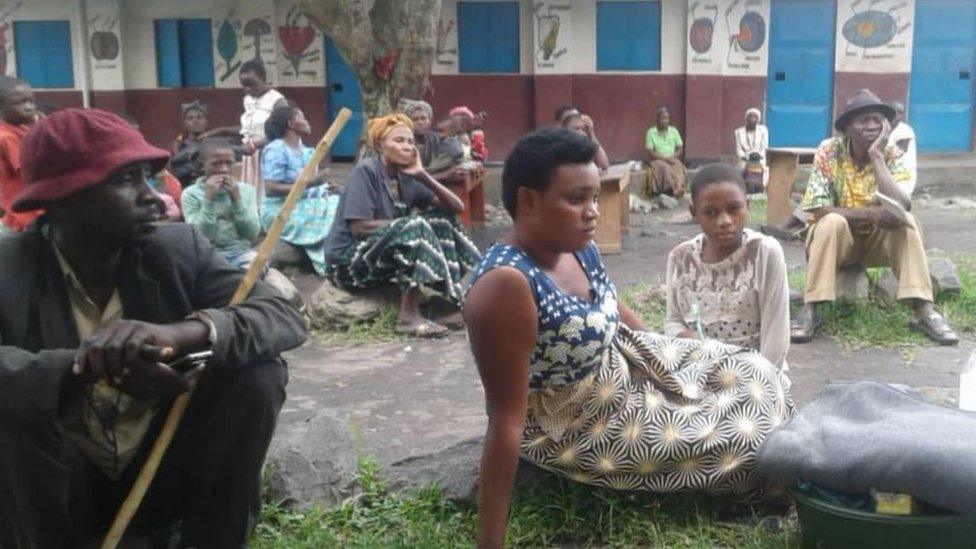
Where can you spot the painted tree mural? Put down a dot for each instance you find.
(390, 44)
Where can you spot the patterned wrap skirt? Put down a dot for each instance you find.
(308, 224)
(421, 249)
(662, 415)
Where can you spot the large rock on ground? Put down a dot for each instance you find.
(887, 288)
(331, 307)
(667, 202)
(285, 286)
(945, 275)
(455, 471)
(313, 464)
(284, 253)
(852, 283)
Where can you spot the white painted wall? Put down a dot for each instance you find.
(577, 35)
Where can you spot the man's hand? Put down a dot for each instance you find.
(877, 148)
(212, 186)
(154, 380)
(882, 218)
(248, 148)
(129, 352)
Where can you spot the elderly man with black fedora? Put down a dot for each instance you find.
(97, 302)
(850, 225)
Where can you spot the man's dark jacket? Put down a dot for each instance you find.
(163, 277)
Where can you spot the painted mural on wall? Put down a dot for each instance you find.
(227, 27)
(875, 35)
(105, 44)
(553, 27)
(241, 33)
(728, 37)
(300, 47)
(8, 58)
(446, 46)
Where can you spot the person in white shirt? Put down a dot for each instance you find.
(259, 100)
(752, 138)
(903, 136)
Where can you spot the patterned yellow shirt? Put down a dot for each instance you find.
(837, 181)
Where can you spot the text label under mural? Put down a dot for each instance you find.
(875, 36)
(728, 37)
(553, 28)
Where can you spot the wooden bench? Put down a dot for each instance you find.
(471, 191)
(784, 162)
(614, 219)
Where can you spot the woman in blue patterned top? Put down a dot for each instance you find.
(572, 382)
(282, 159)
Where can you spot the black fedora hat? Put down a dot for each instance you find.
(863, 101)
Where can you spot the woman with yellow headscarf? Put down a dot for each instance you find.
(396, 223)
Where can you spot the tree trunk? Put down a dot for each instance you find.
(389, 43)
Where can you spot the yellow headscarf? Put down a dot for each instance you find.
(381, 126)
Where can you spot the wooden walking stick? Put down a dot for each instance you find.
(148, 471)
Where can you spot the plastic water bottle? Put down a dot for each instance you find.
(967, 385)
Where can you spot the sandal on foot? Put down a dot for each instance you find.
(452, 322)
(424, 330)
(804, 327)
(935, 327)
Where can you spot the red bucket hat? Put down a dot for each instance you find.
(74, 149)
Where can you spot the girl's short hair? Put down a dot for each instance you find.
(710, 174)
(536, 157)
(276, 126)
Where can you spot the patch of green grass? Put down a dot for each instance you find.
(649, 301)
(757, 210)
(379, 330)
(872, 323)
(556, 512)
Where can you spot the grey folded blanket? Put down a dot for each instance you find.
(863, 435)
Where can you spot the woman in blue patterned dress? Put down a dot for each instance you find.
(282, 159)
(572, 382)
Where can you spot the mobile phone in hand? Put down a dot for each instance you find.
(188, 362)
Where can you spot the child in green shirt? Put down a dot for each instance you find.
(224, 210)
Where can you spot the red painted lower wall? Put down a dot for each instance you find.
(508, 98)
(623, 106)
(64, 99)
(715, 107)
(889, 87)
(706, 109)
(158, 111)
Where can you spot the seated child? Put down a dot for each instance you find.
(728, 283)
(17, 114)
(282, 160)
(223, 209)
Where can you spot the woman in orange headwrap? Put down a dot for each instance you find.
(395, 223)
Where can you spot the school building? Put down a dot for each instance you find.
(618, 61)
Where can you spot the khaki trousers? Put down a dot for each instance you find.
(831, 244)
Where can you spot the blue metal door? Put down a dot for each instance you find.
(800, 83)
(941, 94)
(343, 90)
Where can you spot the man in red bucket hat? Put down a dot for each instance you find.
(96, 299)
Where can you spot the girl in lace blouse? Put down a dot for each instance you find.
(728, 283)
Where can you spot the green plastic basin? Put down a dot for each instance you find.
(829, 526)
